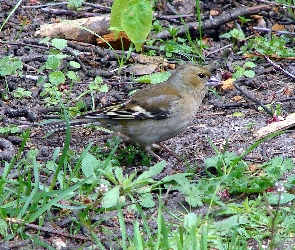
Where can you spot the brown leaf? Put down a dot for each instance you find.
(140, 58)
(142, 69)
(237, 98)
(122, 41)
(227, 84)
(278, 27)
(215, 12)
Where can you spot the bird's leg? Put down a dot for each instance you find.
(160, 145)
(152, 153)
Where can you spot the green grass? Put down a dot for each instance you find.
(241, 205)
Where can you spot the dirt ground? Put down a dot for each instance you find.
(216, 120)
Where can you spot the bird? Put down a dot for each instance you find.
(155, 113)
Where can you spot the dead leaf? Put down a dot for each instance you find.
(278, 27)
(214, 12)
(171, 66)
(122, 41)
(141, 58)
(288, 90)
(237, 98)
(256, 16)
(142, 69)
(227, 84)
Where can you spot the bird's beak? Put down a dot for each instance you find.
(213, 82)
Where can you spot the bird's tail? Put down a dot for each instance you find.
(61, 125)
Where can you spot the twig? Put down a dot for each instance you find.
(277, 4)
(67, 12)
(219, 49)
(46, 229)
(278, 32)
(210, 114)
(78, 59)
(24, 112)
(266, 109)
(165, 197)
(244, 104)
(98, 6)
(24, 44)
(256, 54)
(169, 17)
(213, 23)
(278, 67)
(43, 5)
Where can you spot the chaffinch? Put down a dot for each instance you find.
(155, 113)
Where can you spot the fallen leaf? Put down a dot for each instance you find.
(122, 41)
(214, 12)
(237, 98)
(142, 69)
(140, 58)
(278, 27)
(227, 84)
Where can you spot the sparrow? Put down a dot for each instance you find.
(155, 113)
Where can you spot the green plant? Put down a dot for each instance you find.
(250, 126)
(244, 20)
(187, 47)
(153, 78)
(201, 45)
(173, 32)
(94, 87)
(10, 129)
(234, 34)
(275, 108)
(123, 59)
(157, 26)
(264, 46)
(180, 47)
(76, 3)
(10, 14)
(196, 194)
(289, 5)
(245, 70)
(134, 17)
(10, 66)
(132, 155)
(96, 175)
(129, 185)
(52, 92)
(21, 93)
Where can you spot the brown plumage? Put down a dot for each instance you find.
(153, 114)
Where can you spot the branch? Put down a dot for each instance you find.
(213, 23)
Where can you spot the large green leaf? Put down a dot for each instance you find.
(115, 22)
(136, 21)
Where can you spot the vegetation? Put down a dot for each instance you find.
(243, 202)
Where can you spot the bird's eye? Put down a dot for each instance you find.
(201, 75)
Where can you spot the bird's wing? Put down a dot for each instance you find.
(144, 105)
